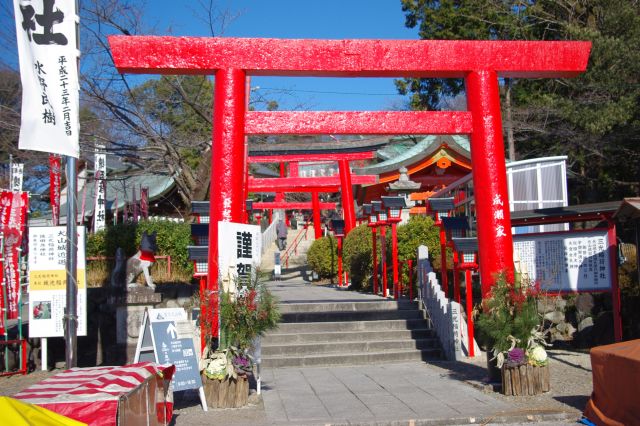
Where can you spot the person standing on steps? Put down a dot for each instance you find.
(281, 233)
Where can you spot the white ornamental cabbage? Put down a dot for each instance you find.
(216, 366)
(538, 355)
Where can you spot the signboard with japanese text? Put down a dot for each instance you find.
(99, 207)
(166, 337)
(239, 253)
(17, 175)
(47, 48)
(13, 217)
(48, 281)
(566, 261)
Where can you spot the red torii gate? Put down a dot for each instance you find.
(346, 180)
(315, 185)
(479, 63)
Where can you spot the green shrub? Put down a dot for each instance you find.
(322, 257)
(357, 256)
(419, 230)
(173, 239)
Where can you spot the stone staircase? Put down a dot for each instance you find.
(349, 332)
(297, 258)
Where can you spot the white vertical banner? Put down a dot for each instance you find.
(17, 173)
(239, 254)
(99, 210)
(46, 34)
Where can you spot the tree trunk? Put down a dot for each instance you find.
(508, 121)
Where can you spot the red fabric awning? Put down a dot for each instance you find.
(92, 395)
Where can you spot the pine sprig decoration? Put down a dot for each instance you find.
(510, 319)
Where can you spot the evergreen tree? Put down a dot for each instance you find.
(592, 118)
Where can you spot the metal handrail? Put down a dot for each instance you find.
(294, 245)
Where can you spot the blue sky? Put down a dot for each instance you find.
(328, 19)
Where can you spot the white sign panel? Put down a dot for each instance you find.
(566, 261)
(46, 34)
(48, 281)
(17, 173)
(239, 253)
(99, 210)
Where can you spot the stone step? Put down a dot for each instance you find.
(273, 338)
(347, 316)
(346, 306)
(347, 347)
(325, 327)
(320, 360)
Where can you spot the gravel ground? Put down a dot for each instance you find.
(571, 386)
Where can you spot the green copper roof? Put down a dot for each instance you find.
(409, 153)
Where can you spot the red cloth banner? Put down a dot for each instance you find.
(54, 187)
(13, 216)
(144, 202)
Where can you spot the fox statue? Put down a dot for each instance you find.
(142, 260)
(128, 270)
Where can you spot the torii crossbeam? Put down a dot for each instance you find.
(479, 63)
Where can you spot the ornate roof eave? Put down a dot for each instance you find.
(308, 147)
(414, 158)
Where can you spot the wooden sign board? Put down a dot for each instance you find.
(166, 337)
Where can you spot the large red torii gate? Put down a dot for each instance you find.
(479, 63)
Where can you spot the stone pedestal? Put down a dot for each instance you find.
(129, 307)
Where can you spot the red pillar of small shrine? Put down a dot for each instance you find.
(374, 255)
(317, 225)
(347, 196)
(444, 276)
(489, 169)
(469, 301)
(383, 254)
(340, 275)
(394, 259)
(227, 179)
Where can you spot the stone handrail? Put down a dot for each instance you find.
(269, 235)
(445, 314)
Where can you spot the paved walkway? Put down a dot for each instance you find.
(443, 393)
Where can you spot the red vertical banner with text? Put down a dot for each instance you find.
(54, 187)
(13, 216)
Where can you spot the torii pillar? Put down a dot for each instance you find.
(347, 196)
(489, 167)
(228, 150)
(317, 226)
